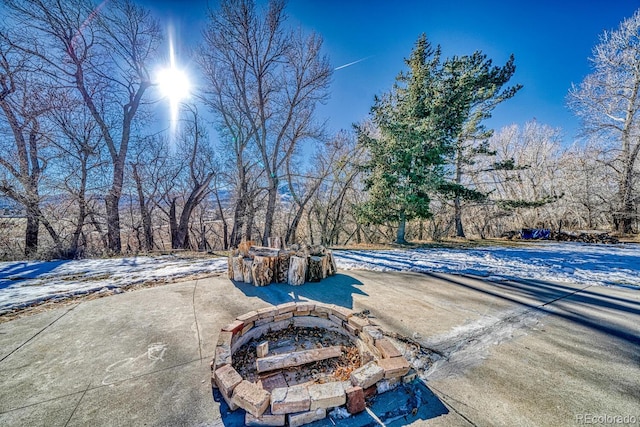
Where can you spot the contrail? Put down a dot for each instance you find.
(351, 63)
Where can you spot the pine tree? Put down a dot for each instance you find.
(413, 135)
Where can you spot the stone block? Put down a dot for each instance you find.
(289, 400)
(283, 316)
(370, 334)
(266, 419)
(411, 375)
(263, 321)
(323, 309)
(302, 418)
(394, 367)
(305, 306)
(223, 357)
(358, 322)
(355, 400)
(367, 375)
(370, 392)
(341, 312)
(351, 329)
(322, 314)
(286, 307)
(337, 320)
(267, 312)
(251, 397)
(230, 402)
(262, 349)
(227, 379)
(247, 328)
(301, 313)
(224, 339)
(272, 381)
(234, 327)
(249, 317)
(327, 395)
(387, 349)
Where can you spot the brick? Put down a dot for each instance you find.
(234, 327)
(323, 314)
(370, 392)
(358, 322)
(286, 307)
(288, 400)
(323, 309)
(351, 329)
(266, 419)
(272, 381)
(355, 400)
(223, 357)
(267, 312)
(230, 403)
(249, 317)
(224, 339)
(341, 312)
(305, 306)
(247, 328)
(387, 349)
(370, 334)
(302, 418)
(262, 349)
(263, 321)
(335, 319)
(283, 316)
(301, 313)
(327, 395)
(252, 398)
(367, 375)
(411, 375)
(227, 379)
(395, 367)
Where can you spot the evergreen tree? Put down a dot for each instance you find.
(414, 128)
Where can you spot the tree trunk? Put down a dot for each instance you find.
(401, 229)
(144, 211)
(112, 202)
(315, 269)
(31, 234)
(247, 263)
(271, 208)
(458, 217)
(263, 270)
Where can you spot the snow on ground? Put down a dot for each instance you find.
(27, 282)
(24, 283)
(608, 265)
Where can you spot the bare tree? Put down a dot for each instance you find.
(102, 52)
(608, 102)
(265, 82)
(22, 158)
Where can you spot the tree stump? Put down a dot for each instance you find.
(275, 242)
(246, 270)
(230, 266)
(263, 269)
(315, 269)
(297, 270)
(326, 266)
(282, 267)
(244, 247)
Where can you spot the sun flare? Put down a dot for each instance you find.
(173, 84)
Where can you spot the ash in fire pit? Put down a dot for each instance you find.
(292, 362)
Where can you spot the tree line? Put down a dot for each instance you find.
(82, 174)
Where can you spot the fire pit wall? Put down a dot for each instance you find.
(383, 366)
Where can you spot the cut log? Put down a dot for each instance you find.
(297, 270)
(314, 272)
(263, 251)
(246, 270)
(333, 269)
(317, 250)
(326, 266)
(263, 269)
(230, 266)
(297, 358)
(275, 242)
(237, 268)
(283, 267)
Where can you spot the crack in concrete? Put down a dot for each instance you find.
(195, 317)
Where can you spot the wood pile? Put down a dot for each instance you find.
(294, 265)
(584, 237)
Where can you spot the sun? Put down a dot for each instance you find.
(173, 84)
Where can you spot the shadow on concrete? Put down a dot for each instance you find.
(20, 271)
(550, 298)
(338, 289)
(402, 406)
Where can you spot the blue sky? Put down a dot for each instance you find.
(551, 41)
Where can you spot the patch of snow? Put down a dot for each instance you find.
(607, 265)
(28, 282)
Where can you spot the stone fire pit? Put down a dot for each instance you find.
(289, 364)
